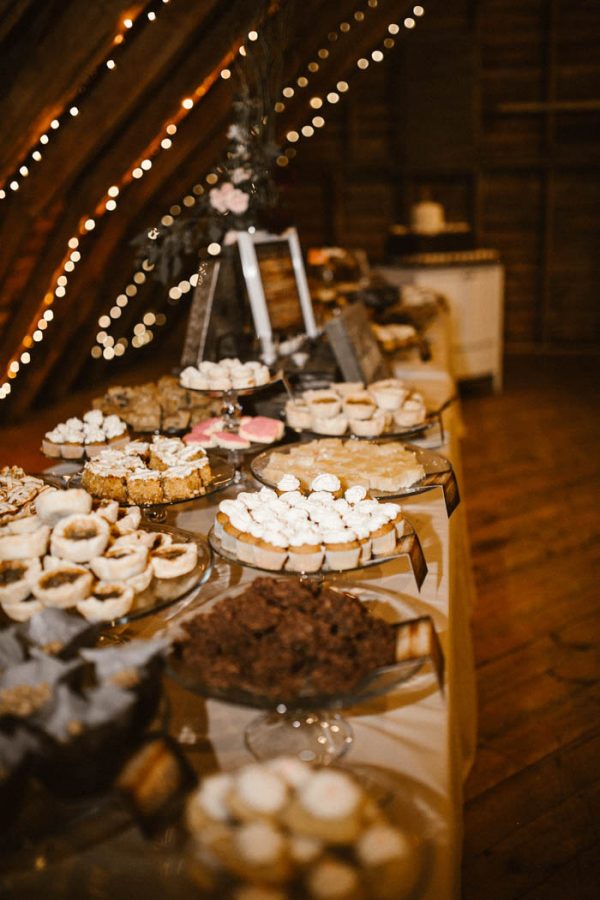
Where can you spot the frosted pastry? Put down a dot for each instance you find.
(327, 807)
(209, 802)
(256, 791)
(332, 879)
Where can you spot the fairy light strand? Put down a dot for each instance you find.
(108, 203)
(308, 130)
(128, 24)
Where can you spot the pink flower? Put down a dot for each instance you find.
(238, 201)
(240, 174)
(228, 198)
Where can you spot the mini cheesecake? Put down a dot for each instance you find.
(80, 538)
(63, 586)
(107, 601)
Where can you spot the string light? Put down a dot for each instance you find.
(342, 87)
(104, 206)
(71, 108)
(176, 292)
(214, 248)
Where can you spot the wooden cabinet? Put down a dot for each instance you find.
(475, 294)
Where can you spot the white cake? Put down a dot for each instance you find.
(427, 217)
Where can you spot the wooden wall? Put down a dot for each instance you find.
(494, 106)
(445, 110)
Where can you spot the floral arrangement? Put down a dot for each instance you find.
(241, 197)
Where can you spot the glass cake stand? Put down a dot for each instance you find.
(231, 413)
(438, 473)
(223, 474)
(310, 726)
(408, 545)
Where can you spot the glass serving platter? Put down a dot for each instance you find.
(408, 545)
(198, 577)
(309, 725)
(189, 586)
(438, 473)
(93, 849)
(394, 797)
(223, 473)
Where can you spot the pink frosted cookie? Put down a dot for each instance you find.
(208, 426)
(230, 440)
(262, 430)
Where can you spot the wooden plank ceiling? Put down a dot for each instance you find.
(53, 50)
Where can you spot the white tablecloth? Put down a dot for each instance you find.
(414, 730)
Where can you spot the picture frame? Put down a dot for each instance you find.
(275, 278)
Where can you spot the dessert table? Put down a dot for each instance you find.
(425, 736)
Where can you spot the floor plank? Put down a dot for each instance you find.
(532, 492)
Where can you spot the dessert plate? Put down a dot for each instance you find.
(164, 594)
(223, 476)
(408, 545)
(95, 849)
(309, 724)
(398, 802)
(198, 577)
(239, 392)
(438, 473)
(391, 606)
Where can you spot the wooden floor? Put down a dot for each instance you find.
(532, 489)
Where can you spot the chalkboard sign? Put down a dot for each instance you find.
(355, 348)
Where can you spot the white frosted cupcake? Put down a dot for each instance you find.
(388, 859)
(342, 549)
(327, 481)
(271, 550)
(305, 552)
(383, 536)
(328, 807)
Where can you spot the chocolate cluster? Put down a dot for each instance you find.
(287, 639)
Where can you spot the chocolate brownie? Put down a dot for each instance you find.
(287, 639)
